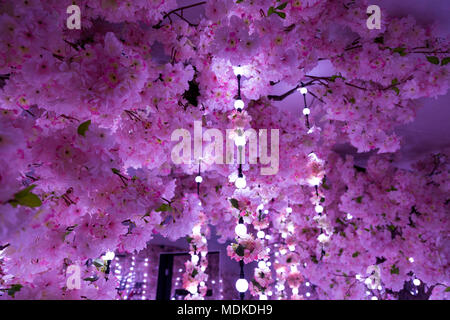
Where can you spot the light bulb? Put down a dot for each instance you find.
(308, 294)
(192, 289)
(416, 282)
(411, 259)
(260, 207)
(318, 208)
(198, 179)
(306, 111)
(240, 182)
(291, 228)
(291, 248)
(295, 290)
(195, 259)
(266, 211)
(239, 141)
(238, 104)
(241, 285)
(288, 209)
(307, 284)
(303, 90)
(109, 255)
(196, 229)
(261, 264)
(241, 230)
(374, 298)
(238, 70)
(260, 234)
(263, 297)
(349, 216)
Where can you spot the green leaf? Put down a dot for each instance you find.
(281, 14)
(240, 251)
(189, 239)
(98, 263)
(194, 273)
(394, 81)
(433, 60)
(447, 289)
(392, 188)
(82, 128)
(352, 100)
(26, 198)
(379, 39)
(394, 269)
(359, 199)
(355, 254)
(14, 288)
(270, 11)
(91, 279)
(445, 61)
(164, 207)
(282, 6)
(397, 90)
(400, 50)
(115, 171)
(314, 259)
(234, 203)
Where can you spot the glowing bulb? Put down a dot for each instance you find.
(288, 209)
(303, 90)
(192, 289)
(294, 268)
(195, 258)
(260, 207)
(306, 111)
(281, 287)
(291, 248)
(202, 284)
(241, 285)
(283, 251)
(109, 255)
(240, 182)
(374, 298)
(411, 259)
(416, 282)
(241, 230)
(269, 264)
(349, 216)
(291, 228)
(238, 104)
(284, 235)
(307, 284)
(263, 297)
(358, 277)
(239, 141)
(260, 234)
(308, 294)
(198, 179)
(295, 290)
(261, 265)
(318, 208)
(238, 70)
(196, 229)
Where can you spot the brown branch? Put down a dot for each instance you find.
(167, 15)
